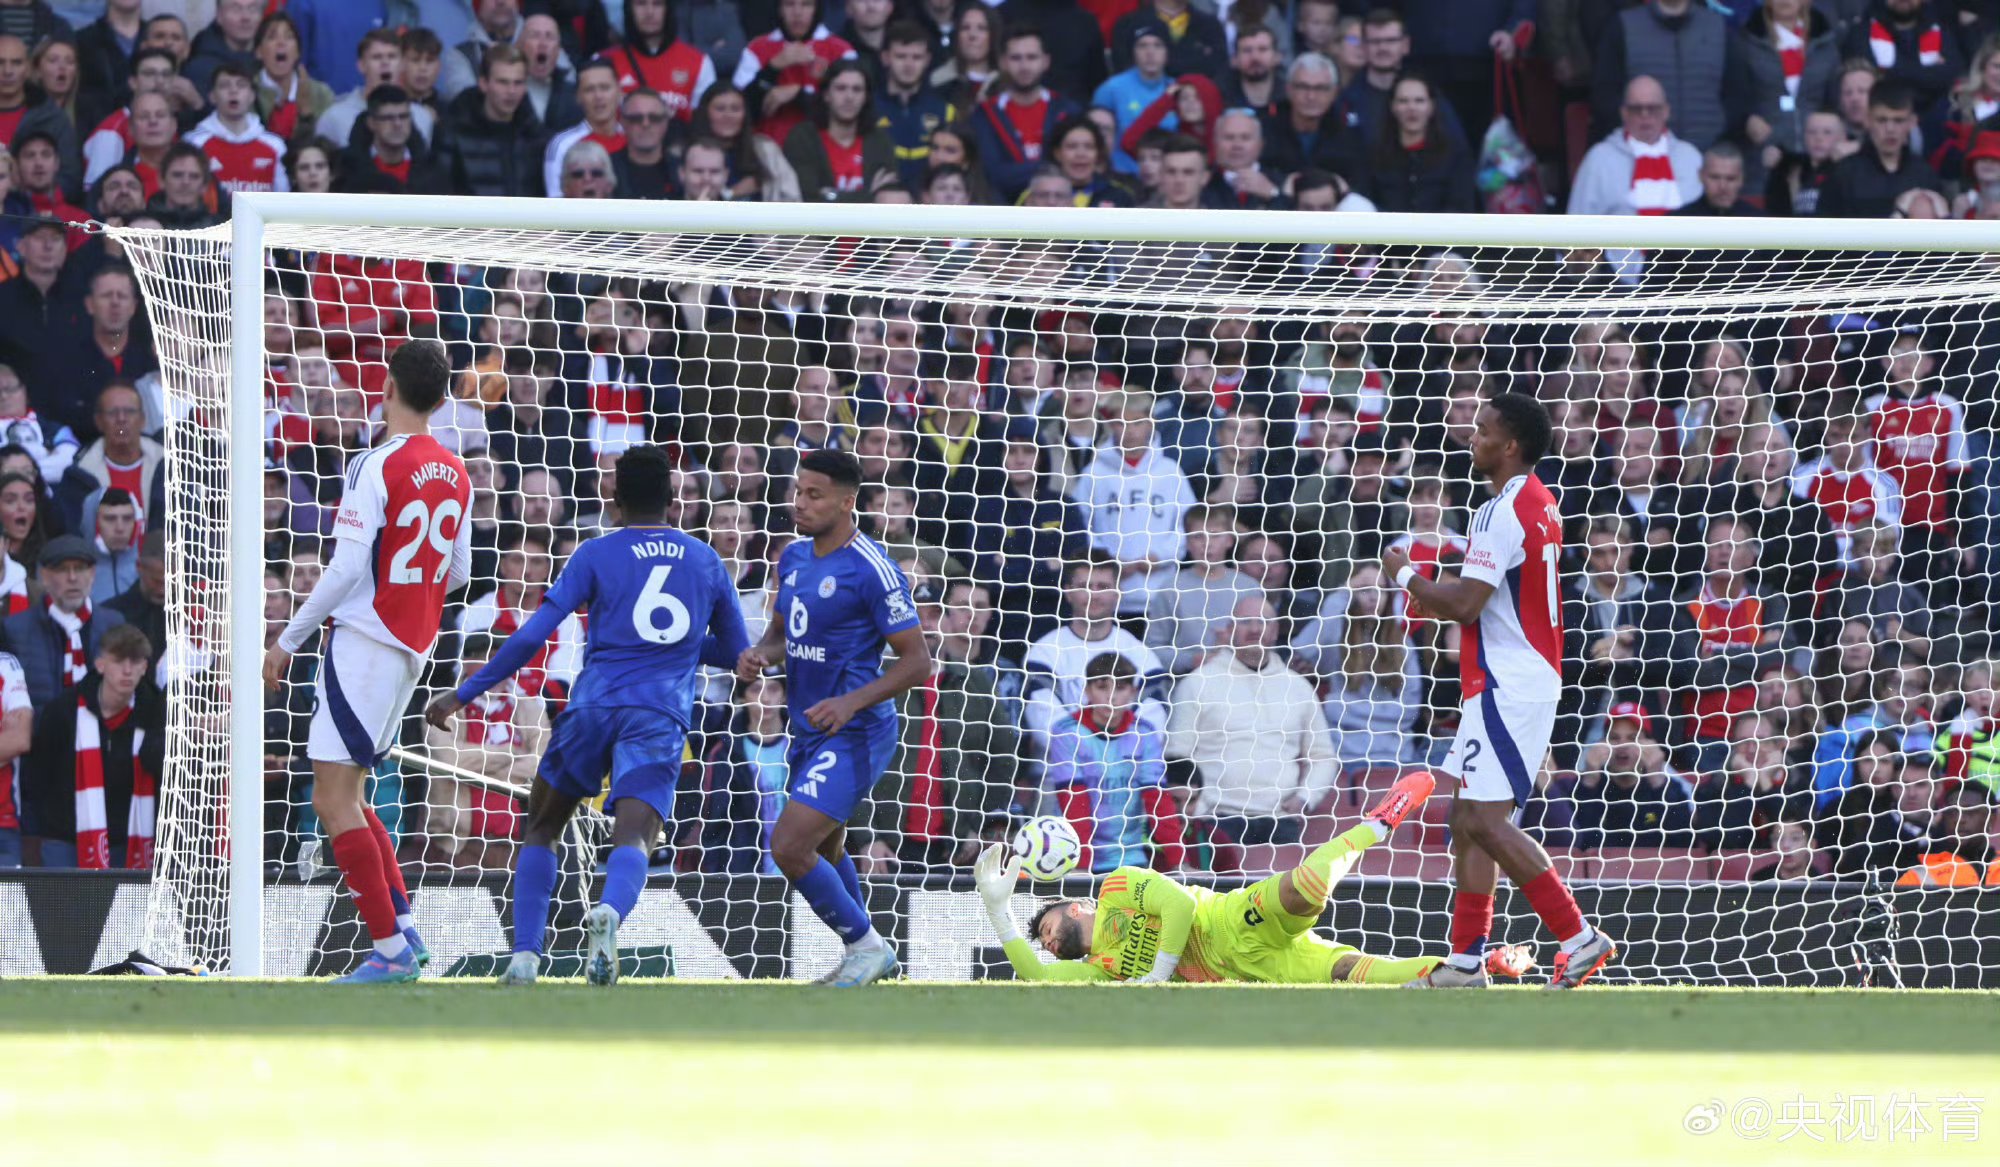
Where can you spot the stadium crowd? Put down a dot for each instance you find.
(1143, 547)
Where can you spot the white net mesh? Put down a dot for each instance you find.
(1773, 755)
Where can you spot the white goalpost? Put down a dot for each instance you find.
(1774, 757)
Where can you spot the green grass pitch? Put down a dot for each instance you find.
(284, 1073)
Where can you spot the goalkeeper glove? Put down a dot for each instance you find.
(1164, 964)
(995, 874)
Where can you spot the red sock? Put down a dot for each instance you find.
(1553, 903)
(360, 861)
(1471, 920)
(392, 871)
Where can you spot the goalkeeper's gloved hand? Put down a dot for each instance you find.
(995, 874)
(1162, 971)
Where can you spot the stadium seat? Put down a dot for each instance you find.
(1404, 863)
(1736, 866)
(1262, 859)
(1573, 866)
(1654, 865)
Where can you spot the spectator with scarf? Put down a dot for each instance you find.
(289, 100)
(1640, 168)
(1107, 771)
(1788, 56)
(1908, 42)
(56, 639)
(90, 781)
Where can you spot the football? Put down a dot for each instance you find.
(1048, 847)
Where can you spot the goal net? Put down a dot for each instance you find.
(1128, 453)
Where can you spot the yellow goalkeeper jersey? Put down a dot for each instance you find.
(1140, 914)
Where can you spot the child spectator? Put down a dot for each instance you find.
(91, 781)
(1741, 626)
(242, 154)
(1793, 855)
(1107, 772)
(115, 536)
(1847, 486)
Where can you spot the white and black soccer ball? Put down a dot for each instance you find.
(1048, 847)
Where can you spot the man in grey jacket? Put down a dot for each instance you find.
(1689, 50)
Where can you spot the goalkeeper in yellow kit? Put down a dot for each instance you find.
(1145, 928)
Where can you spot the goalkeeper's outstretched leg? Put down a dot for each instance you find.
(1304, 890)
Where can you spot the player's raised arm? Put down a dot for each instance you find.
(570, 591)
(995, 874)
(728, 637)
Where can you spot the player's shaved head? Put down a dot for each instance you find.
(644, 484)
(421, 370)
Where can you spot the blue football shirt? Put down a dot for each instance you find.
(839, 610)
(654, 594)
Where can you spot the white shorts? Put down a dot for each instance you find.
(1500, 747)
(364, 687)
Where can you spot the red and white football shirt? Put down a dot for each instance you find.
(252, 158)
(406, 499)
(1919, 441)
(1850, 500)
(826, 48)
(13, 695)
(680, 75)
(1515, 647)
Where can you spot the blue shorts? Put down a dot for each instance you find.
(642, 750)
(833, 772)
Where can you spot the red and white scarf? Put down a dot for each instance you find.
(1654, 189)
(93, 843)
(1882, 43)
(1791, 41)
(74, 664)
(13, 586)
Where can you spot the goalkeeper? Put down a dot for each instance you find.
(1144, 928)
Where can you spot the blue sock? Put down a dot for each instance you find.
(400, 901)
(534, 885)
(851, 879)
(831, 902)
(624, 875)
